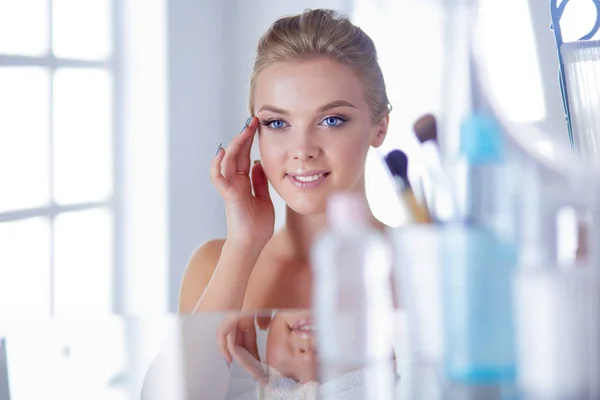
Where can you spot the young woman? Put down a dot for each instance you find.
(318, 102)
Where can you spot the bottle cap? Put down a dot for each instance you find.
(481, 140)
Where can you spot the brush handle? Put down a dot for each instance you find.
(419, 214)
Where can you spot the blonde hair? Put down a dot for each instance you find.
(324, 34)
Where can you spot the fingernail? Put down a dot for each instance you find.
(219, 149)
(226, 362)
(246, 123)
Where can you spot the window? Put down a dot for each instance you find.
(58, 191)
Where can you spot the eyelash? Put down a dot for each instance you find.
(343, 121)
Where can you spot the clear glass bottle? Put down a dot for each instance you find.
(352, 299)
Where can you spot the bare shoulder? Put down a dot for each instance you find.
(198, 273)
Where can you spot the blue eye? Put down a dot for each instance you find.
(333, 122)
(276, 124)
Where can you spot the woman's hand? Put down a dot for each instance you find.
(245, 190)
(236, 339)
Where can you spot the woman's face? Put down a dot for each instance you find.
(315, 130)
(290, 345)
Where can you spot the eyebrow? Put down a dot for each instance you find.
(328, 106)
(335, 104)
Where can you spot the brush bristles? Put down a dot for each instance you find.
(426, 128)
(397, 163)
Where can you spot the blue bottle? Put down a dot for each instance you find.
(479, 257)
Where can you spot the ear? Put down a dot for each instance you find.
(380, 131)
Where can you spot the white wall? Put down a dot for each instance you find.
(197, 78)
(142, 112)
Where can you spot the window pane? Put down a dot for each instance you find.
(25, 268)
(24, 152)
(83, 262)
(24, 27)
(82, 136)
(81, 29)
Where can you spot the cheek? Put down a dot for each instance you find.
(272, 155)
(350, 150)
(276, 340)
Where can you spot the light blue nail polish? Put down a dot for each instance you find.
(246, 123)
(219, 149)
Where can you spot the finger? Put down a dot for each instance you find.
(232, 151)
(245, 326)
(260, 183)
(225, 328)
(249, 342)
(250, 364)
(246, 322)
(243, 158)
(231, 338)
(247, 329)
(237, 337)
(216, 177)
(223, 349)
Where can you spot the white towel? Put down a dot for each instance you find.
(370, 382)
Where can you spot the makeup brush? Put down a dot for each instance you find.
(397, 163)
(425, 128)
(439, 194)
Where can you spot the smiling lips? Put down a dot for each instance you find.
(304, 327)
(308, 179)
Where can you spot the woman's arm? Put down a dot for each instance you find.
(217, 276)
(199, 271)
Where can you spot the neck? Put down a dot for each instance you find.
(302, 230)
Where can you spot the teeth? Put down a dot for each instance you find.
(308, 178)
(306, 328)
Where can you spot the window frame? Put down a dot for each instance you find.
(114, 202)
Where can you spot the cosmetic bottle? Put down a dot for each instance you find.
(557, 294)
(352, 297)
(478, 259)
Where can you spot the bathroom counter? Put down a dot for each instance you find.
(173, 357)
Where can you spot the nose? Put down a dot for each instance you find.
(303, 146)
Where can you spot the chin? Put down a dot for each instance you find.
(306, 204)
(309, 201)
